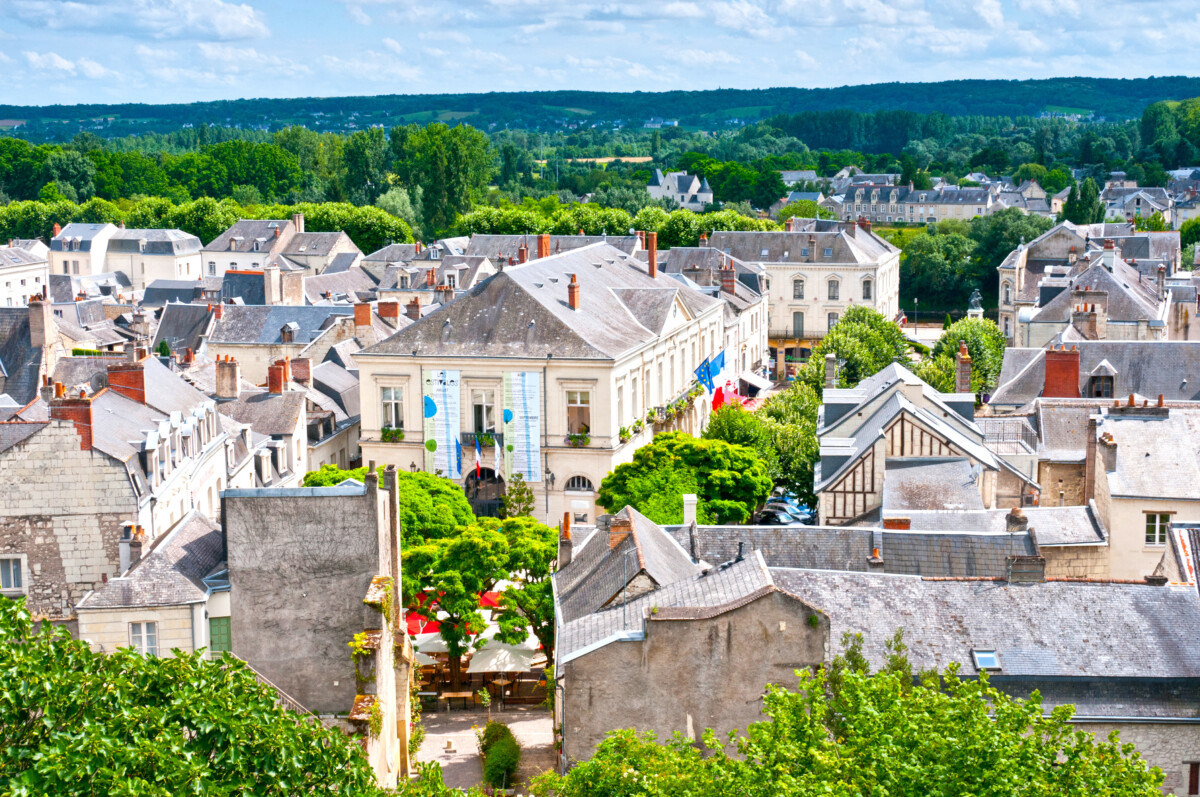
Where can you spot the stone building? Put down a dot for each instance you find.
(741, 607)
(254, 244)
(687, 191)
(816, 271)
(559, 368)
(23, 273)
(310, 571)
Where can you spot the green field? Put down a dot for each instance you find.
(570, 111)
(1065, 109)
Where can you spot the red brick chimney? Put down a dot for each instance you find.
(57, 229)
(189, 356)
(543, 245)
(362, 315)
(1062, 373)
(962, 369)
(864, 223)
(302, 371)
(522, 253)
(277, 232)
(413, 309)
(219, 311)
(790, 224)
(897, 523)
(618, 530)
(728, 279)
(430, 278)
(128, 379)
(275, 380)
(286, 365)
(573, 293)
(652, 252)
(703, 239)
(389, 311)
(417, 248)
(77, 410)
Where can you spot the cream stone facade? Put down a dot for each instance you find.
(175, 628)
(581, 392)
(22, 274)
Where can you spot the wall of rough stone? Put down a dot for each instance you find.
(1065, 477)
(1171, 748)
(106, 630)
(63, 508)
(1076, 561)
(689, 675)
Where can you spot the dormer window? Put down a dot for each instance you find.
(435, 253)
(451, 281)
(986, 660)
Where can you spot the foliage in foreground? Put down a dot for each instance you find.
(74, 722)
(847, 733)
(864, 343)
(985, 343)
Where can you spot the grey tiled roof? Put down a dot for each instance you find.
(343, 285)
(952, 555)
(339, 384)
(14, 433)
(825, 548)
(20, 362)
(171, 573)
(262, 324)
(523, 311)
(83, 231)
(1157, 457)
(1170, 368)
(1129, 297)
(598, 572)
(1104, 697)
(266, 413)
(314, 243)
(930, 483)
(718, 589)
(154, 242)
(1054, 629)
(859, 246)
(183, 326)
(500, 248)
(249, 231)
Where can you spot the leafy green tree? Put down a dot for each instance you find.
(790, 418)
(450, 164)
(995, 237)
(937, 268)
(75, 722)
(734, 424)
(404, 204)
(366, 157)
(803, 209)
(845, 732)
(1153, 223)
(71, 168)
(518, 500)
(528, 606)
(985, 343)
(864, 343)
(729, 480)
(1189, 232)
(1083, 206)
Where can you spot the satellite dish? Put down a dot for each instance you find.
(98, 382)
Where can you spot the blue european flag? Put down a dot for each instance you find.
(704, 375)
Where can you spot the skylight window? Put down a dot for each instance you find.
(764, 253)
(986, 659)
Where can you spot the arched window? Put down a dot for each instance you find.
(833, 290)
(798, 289)
(867, 290)
(579, 484)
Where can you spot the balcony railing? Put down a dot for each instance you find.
(486, 439)
(789, 333)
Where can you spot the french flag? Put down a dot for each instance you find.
(478, 459)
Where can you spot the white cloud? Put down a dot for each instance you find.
(990, 12)
(239, 59)
(161, 19)
(93, 70)
(445, 36)
(707, 58)
(394, 46)
(49, 62)
(154, 54)
(373, 67)
(358, 15)
(805, 60)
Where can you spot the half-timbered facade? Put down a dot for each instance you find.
(894, 445)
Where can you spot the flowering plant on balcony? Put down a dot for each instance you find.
(485, 439)
(579, 440)
(391, 435)
(624, 434)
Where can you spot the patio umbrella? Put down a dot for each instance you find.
(423, 660)
(419, 624)
(497, 657)
(429, 643)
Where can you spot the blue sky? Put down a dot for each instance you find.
(68, 51)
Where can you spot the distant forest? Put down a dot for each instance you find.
(556, 110)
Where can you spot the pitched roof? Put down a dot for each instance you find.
(500, 248)
(13, 433)
(183, 326)
(856, 247)
(161, 292)
(343, 285)
(262, 324)
(266, 413)
(523, 311)
(171, 574)
(154, 242)
(1158, 456)
(930, 483)
(315, 243)
(339, 384)
(1055, 629)
(247, 231)
(20, 361)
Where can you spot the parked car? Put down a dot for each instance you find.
(776, 517)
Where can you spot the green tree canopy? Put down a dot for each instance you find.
(844, 732)
(985, 343)
(729, 480)
(937, 269)
(863, 341)
(75, 722)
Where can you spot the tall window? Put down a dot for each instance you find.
(797, 289)
(393, 407)
(634, 398)
(579, 411)
(1098, 386)
(1156, 528)
(866, 290)
(10, 575)
(671, 375)
(620, 404)
(833, 319)
(798, 324)
(833, 290)
(143, 637)
(451, 281)
(1007, 293)
(212, 268)
(483, 407)
(662, 388)
(219, 637)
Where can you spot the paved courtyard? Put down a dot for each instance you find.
(462, 767)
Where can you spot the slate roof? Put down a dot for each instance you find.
(14, 256)
(392, 253)
(930, 483)
(171, 574)
(266, 413)
(343, 285)
(13, 433)
(823, 547)
(20, 362)
(1051, 629)
(339, 384)
(249, 231)
(720, 590)
(858, 246)
(183, 326)
(342, 261)
(1170, 368)
(523, 311)
(1157, 457)
(248, 285)
(154, 242)
(598, 572)
(1130, 299)
(86, 233)
(500, 248)
(262, 324)
(161, 292)
(315, 243)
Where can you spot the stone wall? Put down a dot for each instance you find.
(63, 508)
(108, 629)
(689, 675)
(1169, 747)
(1076, 561)
(1065, 477)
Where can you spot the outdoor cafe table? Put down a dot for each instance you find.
(502, 683)
(464, 696)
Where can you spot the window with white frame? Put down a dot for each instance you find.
(867, 290)
(579, 411)
(12, 576)
(634, 397)
(833, 290)
(483, 410)
(833, 319)
(798, 289)
(393, 407)
(620, 404)
(143, 637)
(579, 484)
(1157, 524)
(212, 268)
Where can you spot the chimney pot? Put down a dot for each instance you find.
(229, 378)
(652, 254)
(522, 253)
(573, 292)
(362, 315)
(275, 380)
(543, 243)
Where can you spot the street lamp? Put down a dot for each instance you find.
(412, 468)
(916, 318)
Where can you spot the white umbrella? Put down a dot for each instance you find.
(498, 657)
(423, 660)
(429, 643)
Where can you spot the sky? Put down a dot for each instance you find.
(71, 51)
